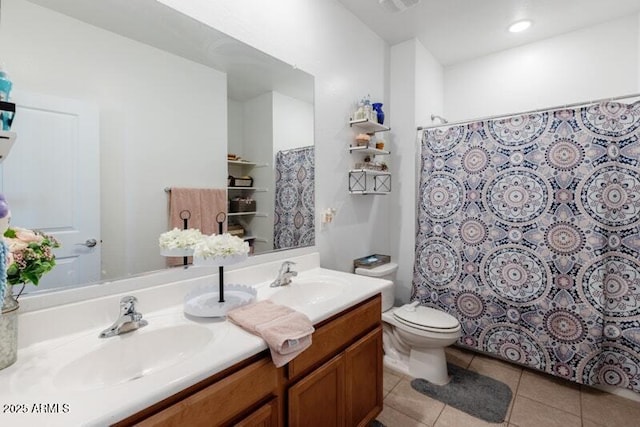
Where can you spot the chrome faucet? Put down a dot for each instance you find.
(284, 275)
(129, 319)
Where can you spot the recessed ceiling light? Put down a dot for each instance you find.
(519, 26)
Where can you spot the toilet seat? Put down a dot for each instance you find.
(426, 318)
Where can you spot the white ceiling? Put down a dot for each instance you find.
(458, 30)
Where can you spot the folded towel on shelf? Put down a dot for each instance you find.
(286, 331)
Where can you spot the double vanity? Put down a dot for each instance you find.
(183, 370)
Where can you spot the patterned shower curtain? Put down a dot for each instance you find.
(529, 234)
(295, 199)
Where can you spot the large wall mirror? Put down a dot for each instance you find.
(120, 100)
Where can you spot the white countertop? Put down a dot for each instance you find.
(32, 385)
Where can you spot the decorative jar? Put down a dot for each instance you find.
(9, 330)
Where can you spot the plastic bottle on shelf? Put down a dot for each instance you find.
(5, 84)
(5, 91)
(368, 110)
(359, 114)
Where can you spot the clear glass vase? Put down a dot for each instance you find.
(9, 330)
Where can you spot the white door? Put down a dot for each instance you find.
(51, 180)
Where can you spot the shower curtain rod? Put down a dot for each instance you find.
(559, 107)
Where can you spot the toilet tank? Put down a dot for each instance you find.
(384, 271)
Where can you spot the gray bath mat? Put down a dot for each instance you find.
(468, 391)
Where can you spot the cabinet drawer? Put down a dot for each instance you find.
(220, 402)
(265, 416)
(332, 337)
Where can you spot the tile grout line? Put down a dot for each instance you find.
(515, 395)
(551, 406)
(439, 415)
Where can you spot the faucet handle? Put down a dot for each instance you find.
(128, 305)
(286, 266)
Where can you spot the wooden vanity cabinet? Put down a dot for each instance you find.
(335, 382)
(338, 380)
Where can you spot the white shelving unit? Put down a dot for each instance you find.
(364, 181)
(245, 219)
(256, 189)
(258, 214)
(246, 163)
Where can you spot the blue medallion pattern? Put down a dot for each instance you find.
(529, 234)
(295, 198)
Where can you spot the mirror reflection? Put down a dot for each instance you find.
(117, 101)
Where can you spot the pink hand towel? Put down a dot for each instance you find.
(286, 331)
(250, 316)
(212, 202)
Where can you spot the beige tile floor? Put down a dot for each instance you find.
(539, 400)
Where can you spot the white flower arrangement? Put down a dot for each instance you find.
(179, 242)
(220, 249)
(180, 239)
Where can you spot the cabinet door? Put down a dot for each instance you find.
(318, 399)
(363, 365)
(266, 416)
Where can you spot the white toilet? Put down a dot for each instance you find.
(414, 337)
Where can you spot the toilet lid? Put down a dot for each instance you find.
(425, 318)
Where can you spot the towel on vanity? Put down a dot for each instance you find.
(203, 204)
(286, 331)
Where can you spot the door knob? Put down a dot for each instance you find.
(89, 243)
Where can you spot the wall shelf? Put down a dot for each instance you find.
(363, 181)
(365, 193)
(258, 189)
(256, 214)
(6, 142)
(368, 126)
(363, 149)
(246, 163)
(371, 172)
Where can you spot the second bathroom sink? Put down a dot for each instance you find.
(309, 291)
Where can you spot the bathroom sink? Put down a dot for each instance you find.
(87, 362)
(131, 356)
(309, 291)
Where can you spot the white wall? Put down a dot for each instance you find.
(348, 62)
(292, 123)
(592, 63)
(416, 83)
(153, 106)
(258, 126)
(235, 127)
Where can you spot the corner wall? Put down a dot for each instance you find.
(416, 85)
(592, 63)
